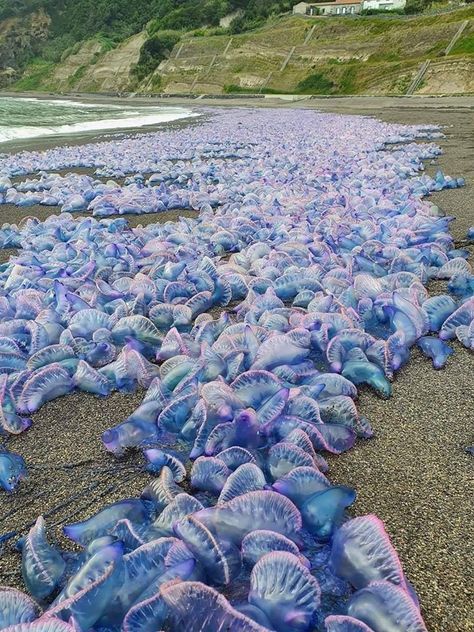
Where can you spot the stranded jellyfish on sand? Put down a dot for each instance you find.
(302, 277)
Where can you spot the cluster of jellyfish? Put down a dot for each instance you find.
(250, 327)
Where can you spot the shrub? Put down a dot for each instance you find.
(417, 6)
(153, 51)
(232, 88)
(382, 12)
(315, 84)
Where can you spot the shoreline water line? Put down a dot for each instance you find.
(61, 117)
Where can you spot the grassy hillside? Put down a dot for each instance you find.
(75, 20)
(70, 22)
(363, 55)
(343, 55)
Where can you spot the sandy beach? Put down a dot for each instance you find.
(415, 474)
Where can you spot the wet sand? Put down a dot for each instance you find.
(415, 474)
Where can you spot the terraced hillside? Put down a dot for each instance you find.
(340, 55)
(363, 55)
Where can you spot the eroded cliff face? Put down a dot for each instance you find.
(20, 40)
(91, 69)
(449, 77)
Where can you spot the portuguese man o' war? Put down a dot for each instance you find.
(12, 469)
(301, 276)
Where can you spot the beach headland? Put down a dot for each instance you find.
(415, 474)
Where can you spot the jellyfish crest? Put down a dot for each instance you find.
(300, 483)
(129, 533)
(361, 552)
(16, 608)
(209, 474)
(304, 407)
(88, 594)
(44, 624)
(89, 380)
(146, 616)
(233, 520)
(253, 388)
(246, 478)
(281, 573)
(235, 456)
(157, 459)
(260, 542)
(463, 315)
(205, 548)
(45, 384)
(382, 605)
(200, 607)
(437, 310)
(42, 565)
(162, 490)
(181, 506)
(285, 456)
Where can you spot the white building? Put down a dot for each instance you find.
(345, 7)
(328, 7)
(381, 5)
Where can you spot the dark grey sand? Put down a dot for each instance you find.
(12, 214)
(415, 474)
(67, 431)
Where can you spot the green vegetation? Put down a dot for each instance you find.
(382, 12)
(417, 6)
(77, 76)
(235, 89)
(348, 81)
(385, 56)
(115, 20)
(315, 84)
(370, 54)
(464, 46)
(36, 78)
(53, 50)
(118, 19)
(153, 51)
(254, 13)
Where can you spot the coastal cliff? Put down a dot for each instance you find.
(287, 54)
(21, 38)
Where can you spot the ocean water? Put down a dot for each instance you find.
(30, 117)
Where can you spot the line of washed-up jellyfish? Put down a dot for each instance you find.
(250, 326)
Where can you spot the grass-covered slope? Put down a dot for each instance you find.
(363, 55)
(343, 56)
(68, 23)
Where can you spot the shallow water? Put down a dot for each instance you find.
(30, 117)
